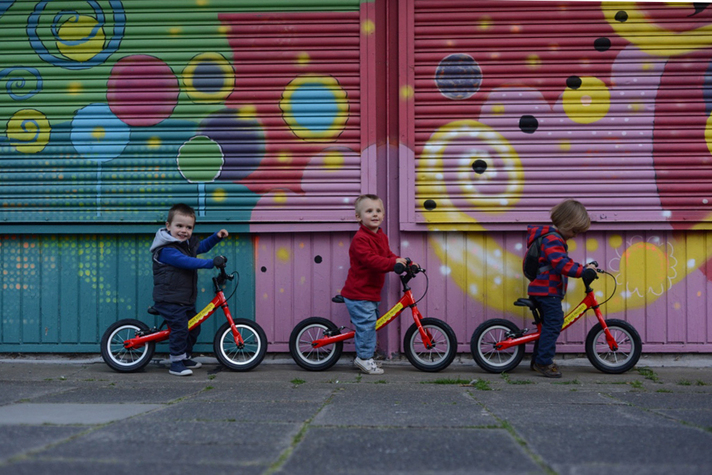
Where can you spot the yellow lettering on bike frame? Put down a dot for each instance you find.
(574, 314)
(202, 315)
(390, 315)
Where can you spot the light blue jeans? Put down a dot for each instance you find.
(363, 317)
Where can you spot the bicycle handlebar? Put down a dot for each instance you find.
(410, 268)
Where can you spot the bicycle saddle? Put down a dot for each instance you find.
(337, 299)
(525, 303)
(153, 311)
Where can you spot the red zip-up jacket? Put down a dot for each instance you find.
(554, 252)
(371, 258)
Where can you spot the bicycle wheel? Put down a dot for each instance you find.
(482, 346)
(302, 351)
(613, 362)
(119, 358)
(440, 355)
(252, 352)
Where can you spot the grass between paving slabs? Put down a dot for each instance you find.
(479, 384)
(508, 380)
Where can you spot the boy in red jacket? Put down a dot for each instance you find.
(371, 258)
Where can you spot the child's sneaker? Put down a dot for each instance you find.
(178, 369)
(548, 371)
(188, 363)
(368, 366)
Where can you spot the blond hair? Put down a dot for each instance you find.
(570, 217)
(367, 196)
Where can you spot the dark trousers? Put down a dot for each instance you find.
(552, 315)
(180, 340)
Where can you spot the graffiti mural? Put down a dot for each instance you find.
(112, 112)
(545, 101)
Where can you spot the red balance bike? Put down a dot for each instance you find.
(612, 346)
(430, 344)
(240, 344)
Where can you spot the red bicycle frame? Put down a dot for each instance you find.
(218, 301)
(589, 301)
(407, 300)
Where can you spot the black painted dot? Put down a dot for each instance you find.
(430, 205)
(528, 124)
(622, 16)
(573, 82)
(602, 44)
(317, 259)
(479, 166)
(263, 269)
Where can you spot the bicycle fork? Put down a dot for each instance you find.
(426, 336)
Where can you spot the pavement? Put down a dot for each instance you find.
(75, 415)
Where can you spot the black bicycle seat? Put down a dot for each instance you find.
(337, 299)
(525, 303)
(153, 311)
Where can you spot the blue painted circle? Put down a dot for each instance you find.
(314, 107)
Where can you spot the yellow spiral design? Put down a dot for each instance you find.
(28, 131)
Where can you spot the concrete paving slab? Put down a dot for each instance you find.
(592, 422)
(240, 411)
(142, 394)
(695, 417)
(71, 414)
(672, 400)
(21, 439)
(19, 391)
(420, 405)
(181, 442)
(408, 450)
(50, 466)
(266, 391)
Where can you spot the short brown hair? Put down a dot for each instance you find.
(367, 196)
(570, 217)
(180, 208)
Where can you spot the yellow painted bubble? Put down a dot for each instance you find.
(587, 103)
(368, 27)
(283, 254)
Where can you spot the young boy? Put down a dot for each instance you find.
(175, 281)
(548, 289)
(371, 258)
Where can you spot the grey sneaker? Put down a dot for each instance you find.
(368, 366)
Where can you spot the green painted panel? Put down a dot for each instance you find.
(59, 293)
(113, 110)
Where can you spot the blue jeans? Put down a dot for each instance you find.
(552, 315)
(363, 317)
(180, 340)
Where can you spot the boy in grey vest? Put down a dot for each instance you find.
(175, 282)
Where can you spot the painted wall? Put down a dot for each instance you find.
(471, 118)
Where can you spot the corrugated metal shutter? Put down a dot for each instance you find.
(59, 293)
(518, 105)
(114, 110)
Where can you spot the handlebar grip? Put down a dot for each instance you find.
(399, 268)
(219, 261)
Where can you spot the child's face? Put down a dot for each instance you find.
(370, 214)
(181, 227)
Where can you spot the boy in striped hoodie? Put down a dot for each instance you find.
(569, 219)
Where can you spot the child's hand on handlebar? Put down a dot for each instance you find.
(402, 260)
(223, 233)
